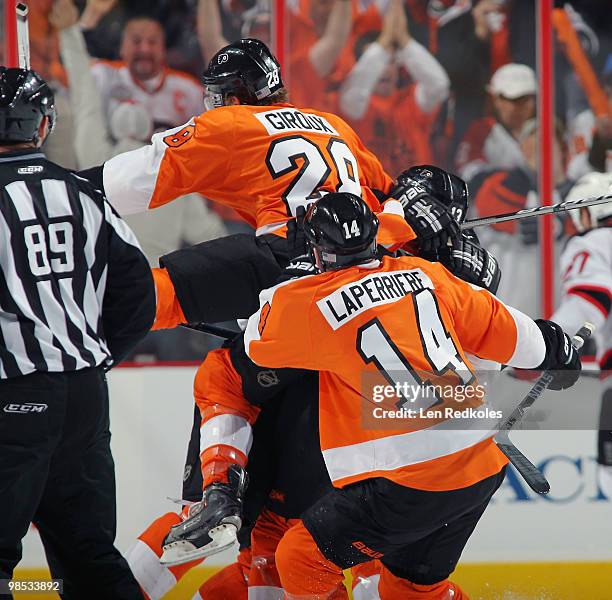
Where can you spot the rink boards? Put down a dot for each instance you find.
(525, 546)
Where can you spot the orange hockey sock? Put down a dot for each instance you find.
(392, 587)
(230, 582)
(304, 572)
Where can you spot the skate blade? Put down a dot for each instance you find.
(178, 553)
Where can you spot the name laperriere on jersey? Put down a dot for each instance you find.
(58, 240)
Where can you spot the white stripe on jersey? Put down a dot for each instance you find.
(530, 349)
(78, 318)
(92, 221)
(129, 178)
(56, 317)
(229, 430)
(101, 287)
(22, 200)
(56, 198)
(52, 355)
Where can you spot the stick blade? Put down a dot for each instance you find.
(528, 471)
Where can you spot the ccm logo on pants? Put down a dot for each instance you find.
(29, 407)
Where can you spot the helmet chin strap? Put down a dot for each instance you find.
(43, 132)
(317, 259)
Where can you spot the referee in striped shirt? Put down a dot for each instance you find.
(76, 294)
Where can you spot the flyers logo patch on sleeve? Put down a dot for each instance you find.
(174, 140)
(263, 317)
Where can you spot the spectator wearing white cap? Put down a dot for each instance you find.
(493, 142)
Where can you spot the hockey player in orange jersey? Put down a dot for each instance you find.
(226, 404)
(267, 159)
(409, 495)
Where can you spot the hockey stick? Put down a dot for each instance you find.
(23, 38)
(215, 330)
(537, 211)
(528, 471)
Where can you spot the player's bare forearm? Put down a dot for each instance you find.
(324, 54)
(209, 28)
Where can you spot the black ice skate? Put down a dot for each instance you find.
(211, 525)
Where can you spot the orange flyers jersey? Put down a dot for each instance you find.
(373, 326)
(262, 161)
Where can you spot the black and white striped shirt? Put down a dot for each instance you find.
(75, 289)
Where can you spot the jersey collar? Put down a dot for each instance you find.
(23, 154)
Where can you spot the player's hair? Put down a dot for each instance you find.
(278, 97)
(144, 17)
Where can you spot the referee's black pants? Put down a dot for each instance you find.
(57, 471)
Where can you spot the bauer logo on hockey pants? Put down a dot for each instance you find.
(367, 551)
(28, 407)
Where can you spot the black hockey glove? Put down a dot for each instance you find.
(211, 525)
(296, 238)
(430, 219)
(298, 252)
(444, 186)
(561, 357)
(298, 267)
(467, 260)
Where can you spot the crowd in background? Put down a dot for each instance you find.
(449, 82)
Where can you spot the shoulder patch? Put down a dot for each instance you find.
(263, 317)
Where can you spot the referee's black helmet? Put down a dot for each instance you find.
(25, 100)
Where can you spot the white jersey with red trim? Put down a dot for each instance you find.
(586, 268)
(487, 145)
(171, 98)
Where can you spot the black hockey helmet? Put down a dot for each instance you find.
(446, 187)
(246, 69)
(341, 230)
(25, 99)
